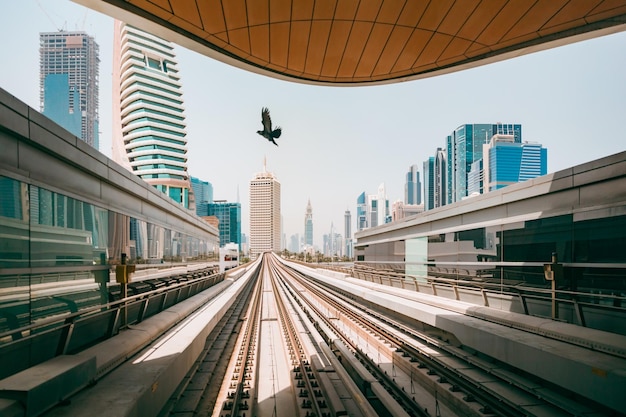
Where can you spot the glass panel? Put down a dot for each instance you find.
(417, 258)
(538, 239)
(57, 233)
(14, 216)
(600, 240)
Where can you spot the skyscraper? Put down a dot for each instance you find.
(465, 146)
(203, 190)
(69, 82)
(440, 178)
(347, 231)
(361, 212)
(149, 129)
(308, 225)
(265, 234)
(382, 207)
(229, 217)
(507, 162)
(429, 183)
(372, 210)
(413, 186)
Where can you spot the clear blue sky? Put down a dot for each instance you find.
(340, 141)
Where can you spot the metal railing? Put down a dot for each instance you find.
(67, 333)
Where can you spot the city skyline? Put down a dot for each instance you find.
(338, 142)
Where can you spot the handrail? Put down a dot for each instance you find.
(65, 318)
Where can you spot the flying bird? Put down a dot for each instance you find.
(267, 131)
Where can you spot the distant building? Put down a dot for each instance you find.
(362, 212)
(464, 147)
(203, 190)
(229, 217)
(294, 243)
(475, 178)
(244, 244)
(69, 83)
(149, 129)
(265, 231)
(347, 230)
(382, 207)
(333, 243)
(429, 183)
(372, 210)
(202, 194)
(308, 225)
(413, 187)
(440, 179)
(399, 210)
(507, 162)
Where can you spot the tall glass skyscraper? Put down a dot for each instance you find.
(440, 178)
(149, 129)
(203, 192)
(361, 212)
(347, 230)
(507, 162)
(465, 146)
(308, 225)
(229, 217)
(69, 82)
(429, 183)
(413, 186)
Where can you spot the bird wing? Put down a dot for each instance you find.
(265, 119)
(276, 133)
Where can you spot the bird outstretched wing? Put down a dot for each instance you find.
(266, 120)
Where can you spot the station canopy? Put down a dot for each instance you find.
(360, 42)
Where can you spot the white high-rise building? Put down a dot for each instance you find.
(149, 136)
(265, 233)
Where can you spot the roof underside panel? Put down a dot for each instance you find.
(362, 42)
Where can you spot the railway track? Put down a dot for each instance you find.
(301, 349)
(270, 365)
(480, 386)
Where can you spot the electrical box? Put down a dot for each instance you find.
(122, 273)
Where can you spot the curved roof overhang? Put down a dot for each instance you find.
(366, 42)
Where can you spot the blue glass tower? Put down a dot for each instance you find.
(509, 162)
(202, 190)
(413, 186)
(465, 146)
(229, 217)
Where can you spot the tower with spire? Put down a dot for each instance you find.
(308, 225)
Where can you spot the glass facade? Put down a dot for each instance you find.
(514, 254)
(56, 243)
(464, 147)
(413, 186)
(69, 82)
(510, 163)
(229, 217)
(429, 183)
